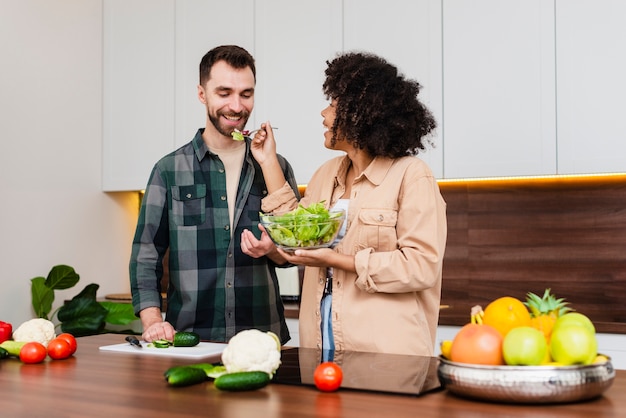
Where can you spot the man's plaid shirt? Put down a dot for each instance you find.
(214, 289)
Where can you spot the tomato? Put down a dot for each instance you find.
(33, 352)
(477, 344)
(71, 340)
(59, 349)
(328, 376)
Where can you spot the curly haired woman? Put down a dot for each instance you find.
(378, 289)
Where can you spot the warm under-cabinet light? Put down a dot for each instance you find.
(599, 177)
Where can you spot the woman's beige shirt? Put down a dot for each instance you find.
(396, 229)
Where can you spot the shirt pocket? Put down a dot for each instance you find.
(378, 229)
(189, 204)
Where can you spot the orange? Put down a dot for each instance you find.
(506, 313)
(477, 344)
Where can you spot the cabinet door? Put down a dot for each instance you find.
(498, 88)
(591, 64)
(293, 40)
(410, 40)
(138, 112)
(200, 26)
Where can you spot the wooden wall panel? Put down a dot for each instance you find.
(510, 237)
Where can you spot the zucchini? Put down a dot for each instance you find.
(13, 347)
(184, 376)
(207, 368)
(186, 339)
(3, 353)
(240, 381)
(216, 371)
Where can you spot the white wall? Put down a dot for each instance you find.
(52, 210)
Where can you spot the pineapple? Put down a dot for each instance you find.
(545, 310)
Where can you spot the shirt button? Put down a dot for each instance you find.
(317, 313)
(230, 255)
(188, 195)
(223, 197)
(321, 281)
(221, 170)
(380, 218)
(226, 228)
(229, 284)
(338, 283)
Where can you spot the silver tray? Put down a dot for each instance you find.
(526, 384)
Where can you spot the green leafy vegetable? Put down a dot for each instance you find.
(83, 314)
(304, 227)
(237, 135)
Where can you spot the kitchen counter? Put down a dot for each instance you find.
(95, 383)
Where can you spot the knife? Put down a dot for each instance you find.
(133, 341)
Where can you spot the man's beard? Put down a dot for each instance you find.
(228, 130)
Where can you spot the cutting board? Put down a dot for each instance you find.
(199, 351)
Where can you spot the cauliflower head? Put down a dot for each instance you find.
(252, 350)
(39, 329)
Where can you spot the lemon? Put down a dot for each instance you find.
(446, 348)
(600, 358)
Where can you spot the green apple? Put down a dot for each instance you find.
(573, 344)
(524, 346)
(574, 318)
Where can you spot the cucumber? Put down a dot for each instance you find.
(3, 353)
(186, 339)
(181, 339)
(161, 343)
(184, 376)
(240, 381)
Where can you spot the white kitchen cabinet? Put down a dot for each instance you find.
(152, 51)
(294, 331)
(138, 96)
(591, 63)
(499, 115)
(200, 26)
(410, 40)
(293, 40)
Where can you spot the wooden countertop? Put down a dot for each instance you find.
(95, 383)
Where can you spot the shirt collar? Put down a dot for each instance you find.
(202, 150)
(375, 172)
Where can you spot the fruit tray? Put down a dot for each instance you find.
(526, 384)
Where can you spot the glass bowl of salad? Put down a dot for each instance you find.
(304, 227)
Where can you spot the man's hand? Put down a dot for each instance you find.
(254, 247)
(154, 328)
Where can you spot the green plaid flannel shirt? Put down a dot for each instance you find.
(214, 289)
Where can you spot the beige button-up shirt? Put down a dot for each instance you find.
(396, 229)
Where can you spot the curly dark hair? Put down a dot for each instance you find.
(234, 55)
(377, 107)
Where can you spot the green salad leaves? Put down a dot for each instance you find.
(304, 227)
